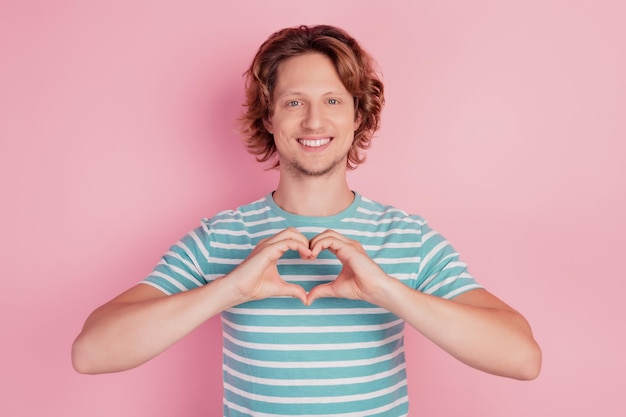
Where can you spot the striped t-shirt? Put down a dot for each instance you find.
(337, 357)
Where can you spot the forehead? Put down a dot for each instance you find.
(308, 73)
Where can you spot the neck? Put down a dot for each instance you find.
(323, 196)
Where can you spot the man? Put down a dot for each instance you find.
(314, 282)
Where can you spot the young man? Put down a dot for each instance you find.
(314, 282)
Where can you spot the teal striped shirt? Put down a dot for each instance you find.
(337, 357)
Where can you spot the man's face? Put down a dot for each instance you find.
(313, 120)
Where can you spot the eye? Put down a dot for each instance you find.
(293, 103)
(333, 101)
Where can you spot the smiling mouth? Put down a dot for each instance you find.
(314, 143)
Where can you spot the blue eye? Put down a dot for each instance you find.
(333, 101)
(293, 103)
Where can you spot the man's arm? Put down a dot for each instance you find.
(475, 327)
(142, 322)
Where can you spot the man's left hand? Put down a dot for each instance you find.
(360, 278)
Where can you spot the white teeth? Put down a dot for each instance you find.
(314, 143)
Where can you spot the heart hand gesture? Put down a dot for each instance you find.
(360, 278)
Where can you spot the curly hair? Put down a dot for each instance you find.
(354, 66)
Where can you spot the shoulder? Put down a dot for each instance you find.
(243, 225)
(247, 213)
(375, 211)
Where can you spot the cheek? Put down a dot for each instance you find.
(282, 122)
(348, 122)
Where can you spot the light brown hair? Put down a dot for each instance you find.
(354, 67)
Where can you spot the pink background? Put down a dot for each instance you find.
(504, 126)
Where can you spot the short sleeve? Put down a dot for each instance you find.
(184, 266)
(441, 272)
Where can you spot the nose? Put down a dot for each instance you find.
(313, 117)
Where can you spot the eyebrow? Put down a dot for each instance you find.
(298, 93)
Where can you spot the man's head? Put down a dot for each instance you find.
(354, 67)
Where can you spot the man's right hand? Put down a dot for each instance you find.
(257, 277)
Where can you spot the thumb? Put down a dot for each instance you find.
(320, 291)
(295, 291)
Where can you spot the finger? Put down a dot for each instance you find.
(328, 242)
(276, 250)
(289, 233)
(325, 234)
(305, 252)
(295, 291)
(320, 291)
